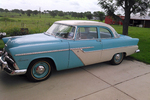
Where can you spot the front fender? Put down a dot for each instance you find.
(5, 39)
(58, 52)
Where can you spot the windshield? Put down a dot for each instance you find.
(63, 31)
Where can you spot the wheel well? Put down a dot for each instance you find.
(124, 53)
(49, 60)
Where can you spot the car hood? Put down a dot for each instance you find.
(29, 40)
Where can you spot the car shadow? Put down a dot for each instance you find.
(12, 80)
(8, 80)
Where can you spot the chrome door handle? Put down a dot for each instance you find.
(98, 40)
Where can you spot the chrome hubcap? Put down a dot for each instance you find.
(40, 69)
(117, 57)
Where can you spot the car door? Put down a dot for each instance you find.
(109, 43)
(86, 48)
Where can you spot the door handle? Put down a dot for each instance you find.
(98, 40)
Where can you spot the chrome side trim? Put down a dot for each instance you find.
(101, 49)
(81, 48)
(23, 54)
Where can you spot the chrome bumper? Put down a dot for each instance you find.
(4, 66)
(137, 51)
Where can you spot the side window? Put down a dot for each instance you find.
(87, 33)
(105, 33)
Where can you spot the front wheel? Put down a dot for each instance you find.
(117, 58)
(39, 70)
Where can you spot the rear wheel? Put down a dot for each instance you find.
(39, 70)
(117, 58)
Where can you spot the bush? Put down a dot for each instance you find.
(12, 31)
(17, 31)
(6, 19)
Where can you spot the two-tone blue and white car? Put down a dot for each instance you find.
(66, 44)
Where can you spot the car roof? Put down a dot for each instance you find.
(85, 22)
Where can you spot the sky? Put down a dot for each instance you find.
(63, 5)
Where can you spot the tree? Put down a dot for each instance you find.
(53, 13)
(1, 10)
(22, 12)
(128, 6)
(6, 10)
(74, 14)
(100, 15)
(60, 13)
(29, 12)
(80, 15)
(88, 14)
(16, 10)
(35, 12)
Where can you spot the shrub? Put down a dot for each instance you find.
(6, 19)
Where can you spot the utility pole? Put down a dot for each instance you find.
(40, 12)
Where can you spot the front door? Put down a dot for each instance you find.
(87, 47)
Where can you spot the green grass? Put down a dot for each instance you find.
(35, 24)
(1, 44)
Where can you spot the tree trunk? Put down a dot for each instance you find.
(126, 23)
(126, 19)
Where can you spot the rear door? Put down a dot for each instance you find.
(109, 43)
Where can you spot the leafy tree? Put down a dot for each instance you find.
(128, 6)
(6, 10)
(16, 10)
(22, 12)
(74, 14)
(1, 10)
(53, 13)
(67, 13)
(88, 14)
(95, 14)
(80, 15)
(100, 15)
(35, 12)
(60, 13)
(29, 12)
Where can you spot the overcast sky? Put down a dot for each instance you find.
(64, 5)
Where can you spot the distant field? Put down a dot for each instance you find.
(35, 24)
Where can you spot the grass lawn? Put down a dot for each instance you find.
(36, 25)
(1, 44)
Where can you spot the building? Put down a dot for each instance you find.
(110, 20)
(136, 20)
(140, 21)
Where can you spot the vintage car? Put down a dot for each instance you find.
(66, 44)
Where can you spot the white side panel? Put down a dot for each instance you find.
(109, 53)
(88, 57)
(102, 55)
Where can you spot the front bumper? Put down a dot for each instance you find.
(5, 66)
